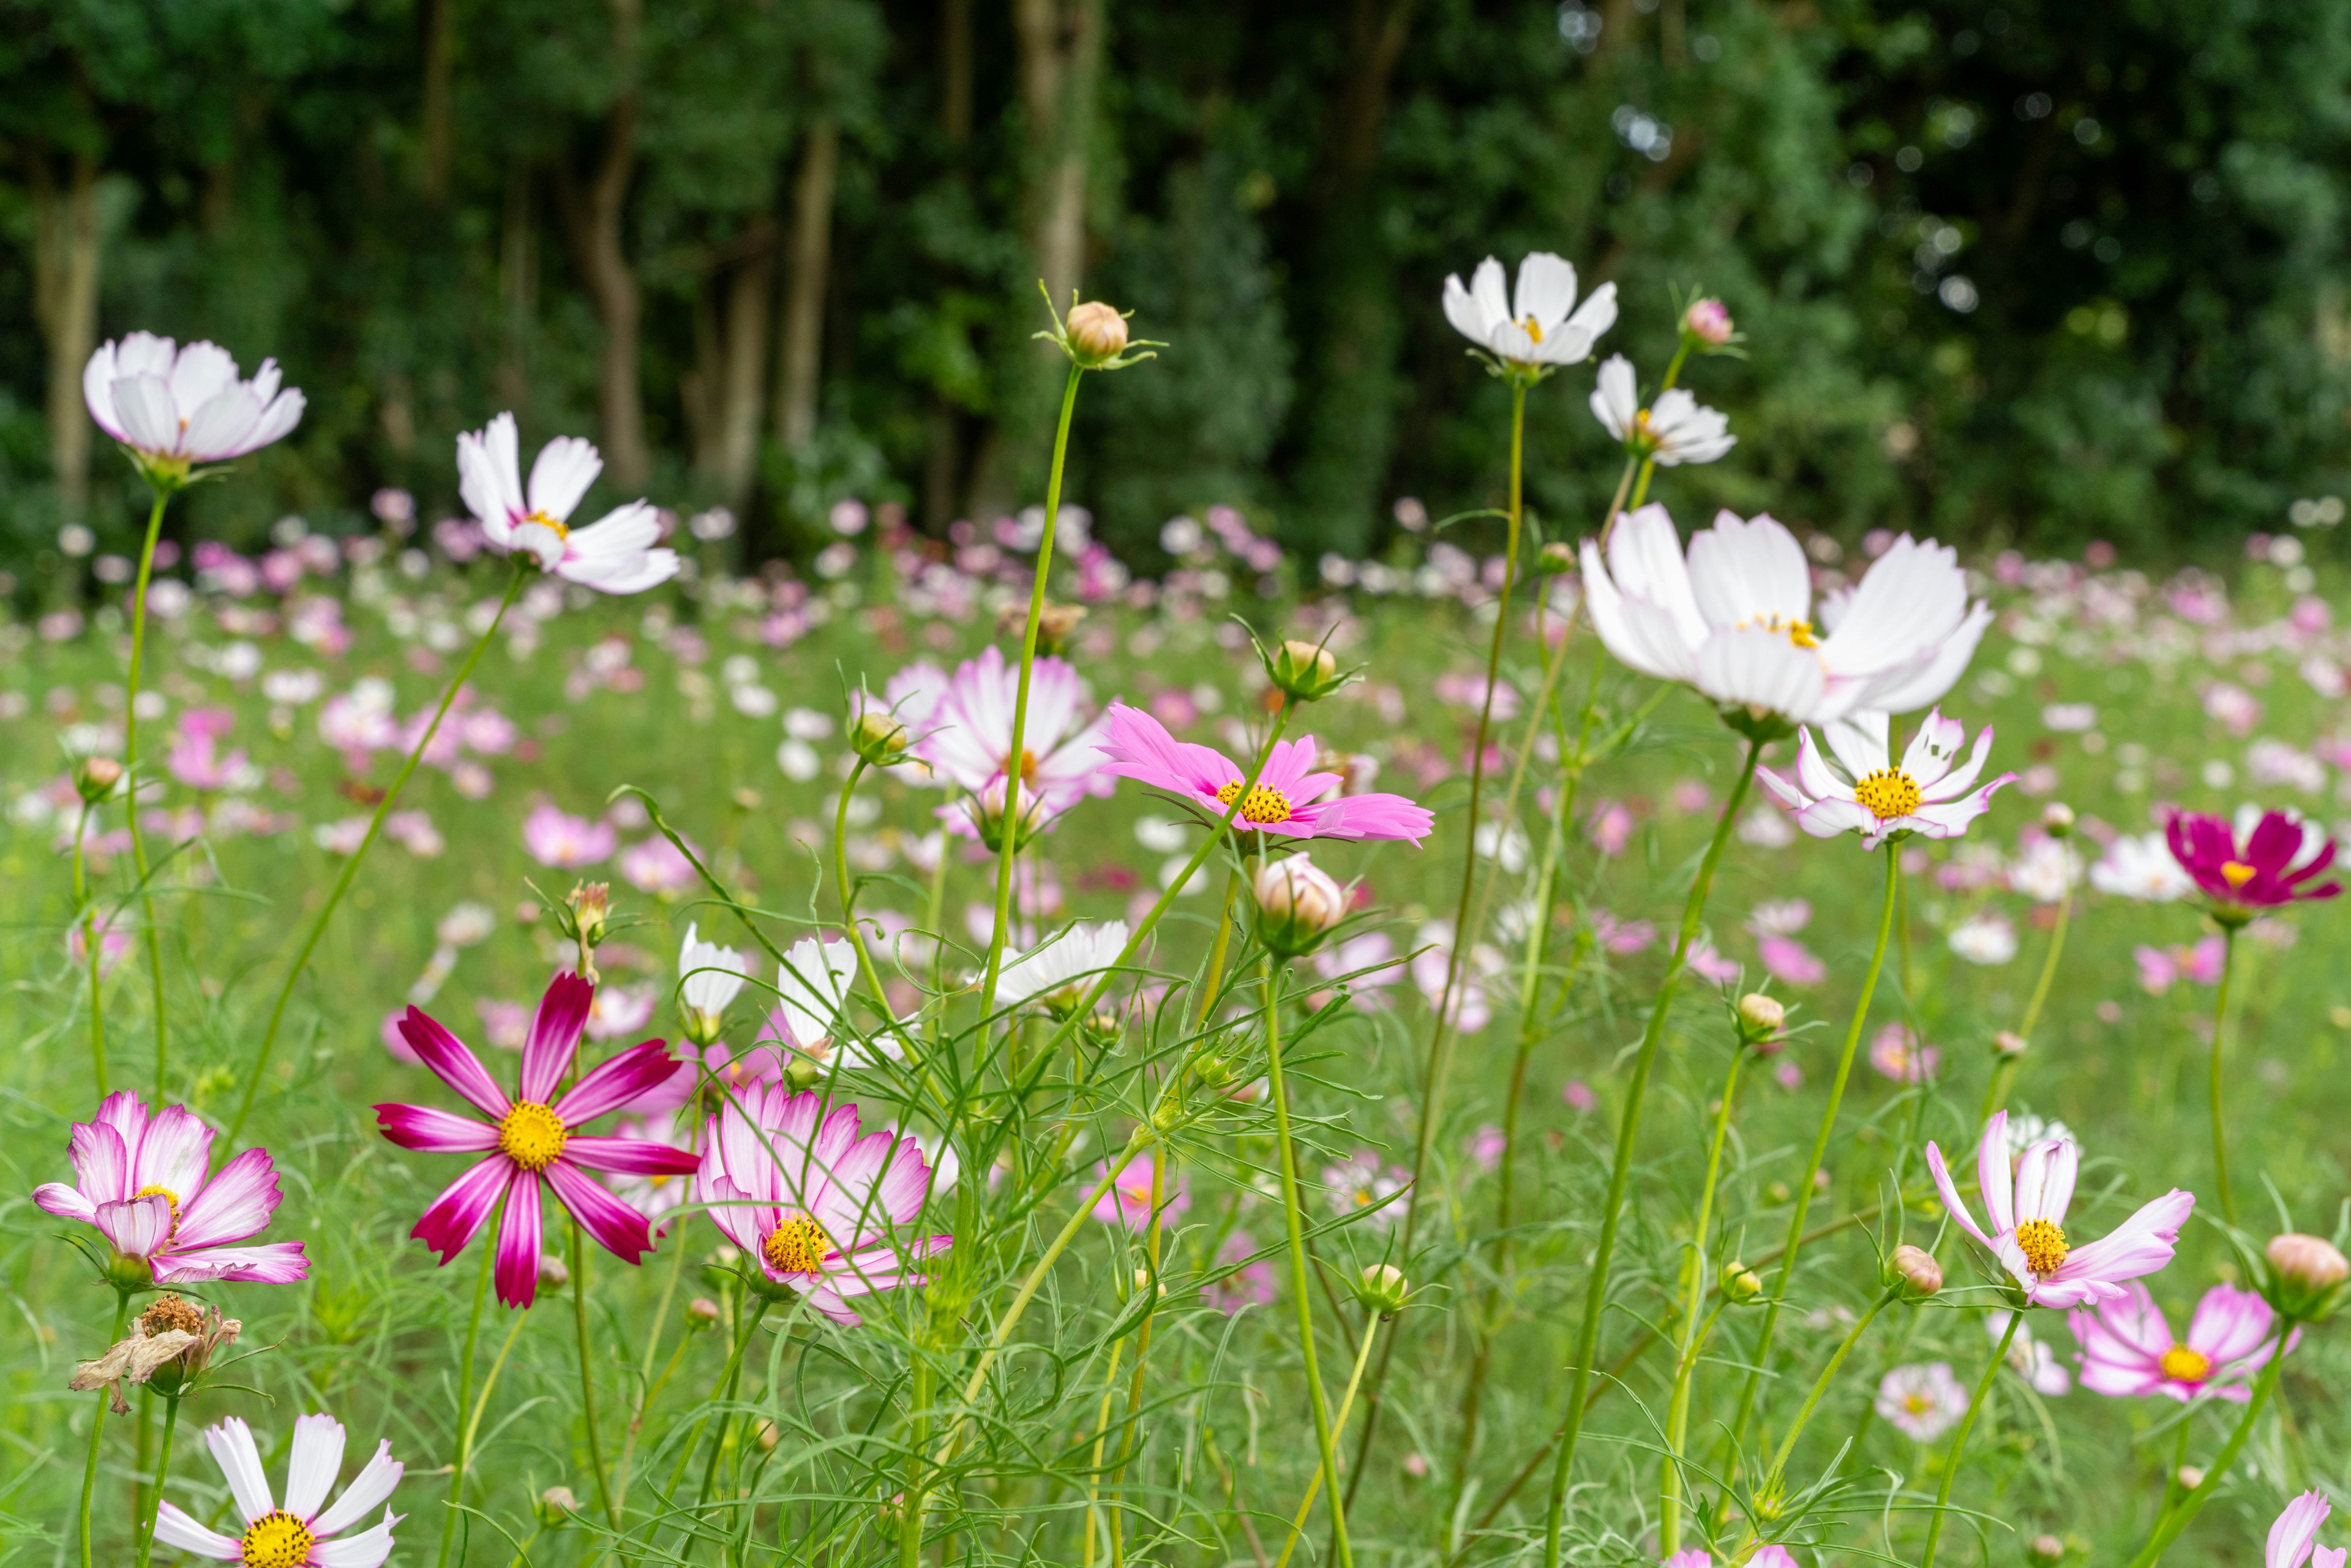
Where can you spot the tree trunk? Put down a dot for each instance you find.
(942, 450)
(518, 289)
(594, 221)
(437, 20)
(1061, 71)
(802, 348)
(728, 387)
(65, 303)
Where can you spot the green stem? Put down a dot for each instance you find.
(1821, 1386)
(2003, 1075)
(646, 1386)
(849, 908)
(1960, 1440)
(130, 779)
(1014, 759)
(466, 1388)
(919, 1432)
(1314, 1483)
(1142, 1344)
(89, 946)
(351, 867)
(98, 1426)
(587, 1375)
(1804, 1192)
(729, 1377)
(163, 1470)
(1669, 1482)
(1596, 1299)
(2219, 1037)
(1215, 975)
(1324, 1436)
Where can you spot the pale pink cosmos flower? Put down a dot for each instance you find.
(146, 1183)
(1694, 1557)
(1896, 1053)
(303, 1529)
(555, 838)
(2293, 1537)
(1290, 799)
(2027, 1208)
(656, 866)
(1363, 1181)
(1249, 1285)
(970, 739)
(1370, 959)
(1922, 1402)
(2128, 1350)
(1931, 794)
(620, 1011)
(812, 1201)
(616, 554)
(180, 405)
(1128, 1201)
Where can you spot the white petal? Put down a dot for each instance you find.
(217, 429)
(316, 1460)
(1813, 774)
(1953, 785)
(176, 1529)
(367, 1550)
(1546, 291)
(143, 405)
(1912, 598)
(372, 1485)
(98, 379)
(1487, 294)
(1616, 396)
(1462, 311)
(1928, 755)
(1760, 669)
(567, 465)
(277, 421)
(1749, 570)
(1644, 556)
(1827, 818)
(233, 1450)
(1859, 741)
(200, 374)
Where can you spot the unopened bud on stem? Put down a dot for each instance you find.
(97, 778)
(1707, 321)
(2009, 1044)
(1383, 1288)
(1760, 1018)
(879, 737)
(1741, 1283)
(2307, 1276)
(1306, 671)
(2057, 819)
(1914, 1269)
(1096, 331)
(1296, 906)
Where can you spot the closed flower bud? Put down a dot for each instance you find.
(1296, 906)
(1741, 1283)
(2008, 1043)
(2057, 818)
(97, 777)
(879, 737)
(2189, 1477)
(556, 1507)
(767, 1437)
(1383, 1288)
(1142, 1283)
(1306, 671)
(1556, 558)
(591, 911)
(1760, 1018)
(554, 1274)
(701, 1312)
(988, 815)
(1914, 1269)
(1096, 333)
(2307, 1276)
(1057, 623)
(1709, 322)
(2046, 1550)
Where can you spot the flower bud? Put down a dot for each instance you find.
(591, 911)
(1306, 671)
(556, 1506)
(2307, 1276)
(1095, 332)
(96, 777)
(2189, 1477)
(1142, 1282)
(1383, 1288)
(554, 1274)
(1556, 558)
(1707, 321)
(1296, 906)
(1056, 625)
(1741, 1283)
(879, 737)
(701, 1312)
(129, 1271)
(1760, 1018)
(2009, 1044)
(2046, 1550)
(767, 1437)
(1101, 1029)
(2057, 819)
(988, 815)
(1914, 1269)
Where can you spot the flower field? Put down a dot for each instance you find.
(1131, 1057)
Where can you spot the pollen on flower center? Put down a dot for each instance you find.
(168, 1196)
(797, 1246)
(277, 1540)
(544, 521)
(531, 1135)
(1888, 793)
(1535, 329)
(1799, 633)
(1262, 805)
(2237, 872)
(2185, 1363)
(2043, 1242)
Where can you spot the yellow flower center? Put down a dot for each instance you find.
(797, 1246)
(1917, 1404)
(531, 1135)
(2043, 1242)
(1888, 793)
(277, 1540)
(2183, 1363)
(168, 1196)
(1535, 329)
(1260, 805)
(544, 521)
(2237, 872)
(1799, 633)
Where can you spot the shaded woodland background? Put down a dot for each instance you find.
(2033, 271)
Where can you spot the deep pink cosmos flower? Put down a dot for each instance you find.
(2127, 1349)
(147, 1184)
(2251, 864)
(1285, 800)
(533, 1140)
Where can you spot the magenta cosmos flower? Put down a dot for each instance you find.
(173, 407)
(2028, 1207)
(147, 1184)
(798, 1189)
(2128, 1350)
(533, 1140)
(970, 739)
(1285, 800)
(2253, 862)
(301, 1533)
(615, 554)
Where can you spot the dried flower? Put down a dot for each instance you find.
(170, 1343)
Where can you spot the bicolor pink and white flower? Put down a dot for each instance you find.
(305, 1530)
(1290, 797)
(1128, 1201)
(532, 1141)
(2027, 1236)
(555, 838)
(1922, 1402)
(1933, 794)
(969, 742)
(1543, 325)
(2128, 1350)
(173, 407)
(146, 1183)
(2293, 1536)
(618, 553)
(812, 1201)
(1672, 430)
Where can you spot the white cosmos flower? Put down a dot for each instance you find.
(710, 978)
(2141, 866)
(1536, 328)
(1674, 430)
(1059, 969)
(1735, 620)
(185, 406)
(615, 554)
(812, 1012)
(304, 1531)
(1926, 795)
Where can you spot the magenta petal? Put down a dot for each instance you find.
(519, 1242)
(435, 1132)
(458, 1214)
(455, 1065)
(233, 1205)
(555, 1035)
(274, 1263)
(630, 1157)
(612, 1085)
(617, 1228)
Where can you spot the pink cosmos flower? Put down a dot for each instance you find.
(970, 738)
(656, 866)
(814, 1202)
(1790, 960)
(1926, 795)
(1284, 800)
(2128, 1350)
(1128, 1201)
(1370, 957)
(1250, 1285)
(194, 759)
(2028, 1206)
(147, 1184)
(615, 554)
(532, 1141)
(2293, 1538)
(1896, 1053)
(2253, 864)
(1922, 1402)
(302, 1530)
(185, 406)
(557, 838)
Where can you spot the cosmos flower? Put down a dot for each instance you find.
(969, 742)
(1248, 1285)
(709, 977)
(533, 1141)
(1362, 1181)
(1128, 1201)
(1987, 937)
(1371, 959)
(147, 1184)
(1926, 795)
(1735, 620)
(1537, 327)
(615, 554)
(2027, 1207)
(1922, 1402)
(2256, 862)
(658, 867)
(1284, 799)
(1674, 430)
(2293, 1537)
(812, 1201)
(174, 407)
(1896, 1053)
(2028, 1358)
(302, 1531)
(2128, 1350)
(1056, 970)
(2140, 865)
(555, 838)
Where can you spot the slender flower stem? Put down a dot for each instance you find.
(1595, 1300)
(1821, 1386)
(1669, 1482)
(1960, 1440)
(162, 1471)
(1101, 1436)
(1216, 973)
(918, 1435)
(90, 950)
(98, 1428)
(1314, 1483)
(1142, 1341)
(849, 908)
(2220, 1041)
(722, 1391)
(1803, 1191)
(466, 1389)
(2003, 1076)
(351, 867)
(1323, 1437)
(1017, 758)
(587, 1375)
(130, 777)
(646, 1385)
(2169, 1524)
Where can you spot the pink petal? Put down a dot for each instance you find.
(56, 1197)
(102, 1161)
(630, 1157)
(174, 1155)
(233, 1205)
(555, 1036)
(1951, 1200)
(274, 1263)
(612, 1085)
(614, 1225)
(454, 1064)
(424, 1128)
(517, 1268)
(457, 1215)
(136, 1227)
